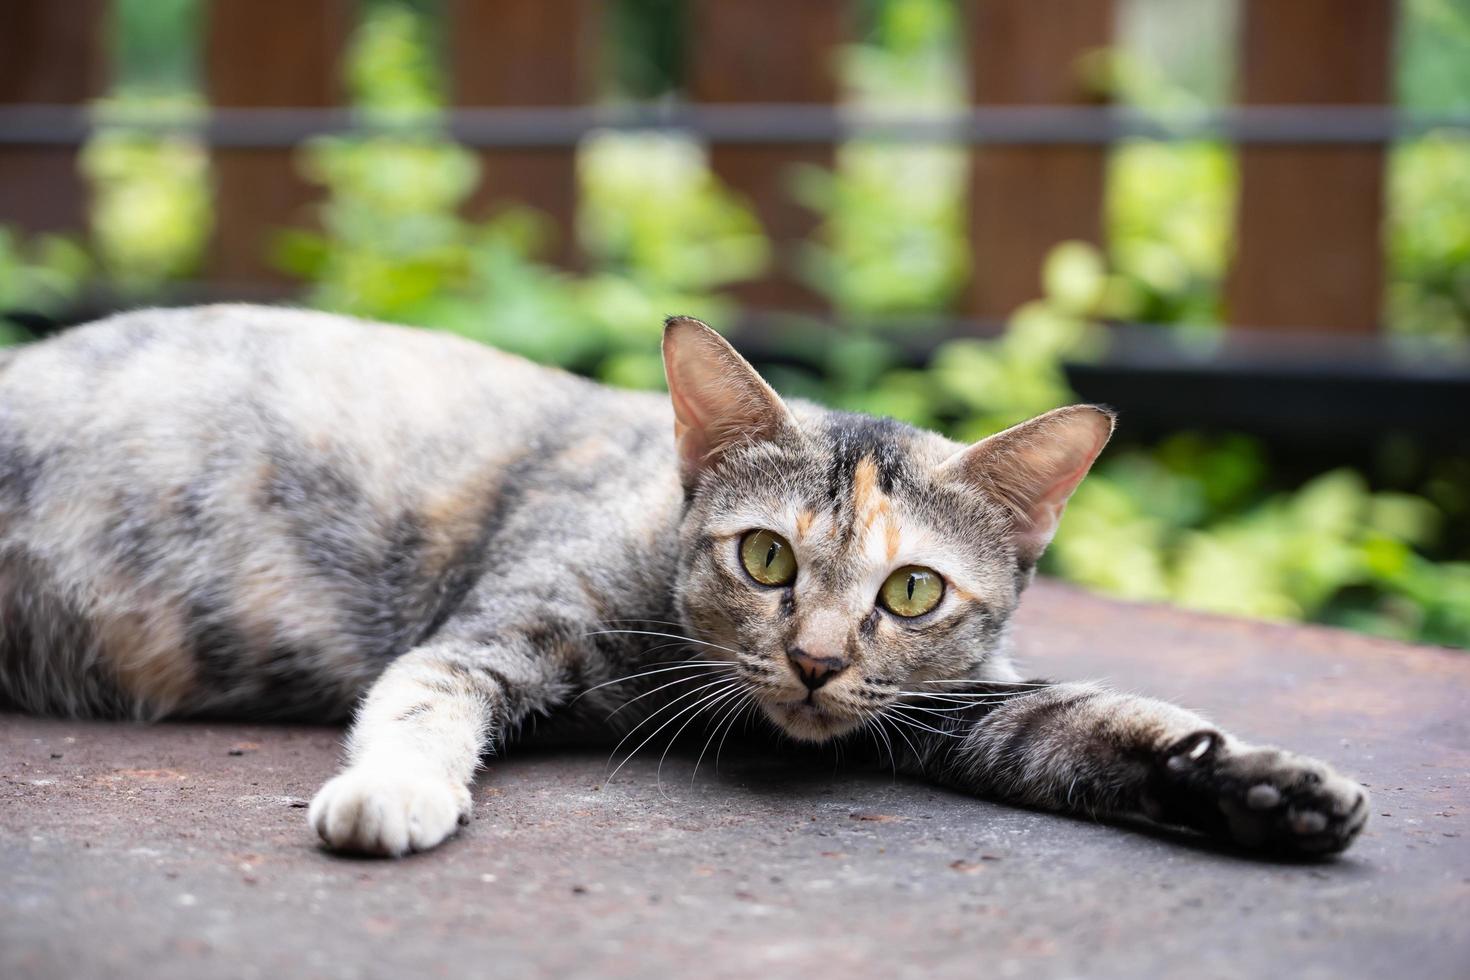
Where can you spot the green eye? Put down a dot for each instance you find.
(911, 591)
(768, 558)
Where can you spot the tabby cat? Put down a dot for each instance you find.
(258, 513)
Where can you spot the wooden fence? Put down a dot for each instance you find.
(1310, 213)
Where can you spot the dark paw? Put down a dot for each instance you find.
(1261, 798)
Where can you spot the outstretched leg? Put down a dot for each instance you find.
(417, 741)
(1084, 749)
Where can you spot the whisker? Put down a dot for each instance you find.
(649, 673)
(741, 656)
(942, 712)
(715, 730)
(885, 716)
(676, 699)
(723, 695)
(958, 706)
(909, 723)
(745, 711)
(669, 636)
(954, 696)
(954, 705)
(677, 680)
(898, 715)
(675, 717)
(688, 633)
(656, 647)
(634, 619)
(892, 757)
(874, 730)
(972, 680)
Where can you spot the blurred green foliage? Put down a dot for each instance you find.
(153, 46)
(1429, 179)
(660, 234)
(643, 51)
(1429, 237)
(1151, 525)
(151, 213)
(43, 274)
(1212, 522)
(1433, 70)
(892, 241)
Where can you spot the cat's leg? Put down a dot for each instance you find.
(1082, 748)
(417, 740)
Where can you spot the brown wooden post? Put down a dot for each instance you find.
(267, 54)
(773, 51)
(526, 53)
(1026, 199)
(50, 53)
(1309, 250)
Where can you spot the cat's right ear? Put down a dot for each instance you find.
(719, 399)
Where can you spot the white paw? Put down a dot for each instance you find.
(389, 811)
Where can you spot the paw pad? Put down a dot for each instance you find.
(1307, 821)
(1262, 796)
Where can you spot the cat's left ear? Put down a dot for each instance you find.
(719, 399)
(1032, 469)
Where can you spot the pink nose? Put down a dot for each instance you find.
(814, 671)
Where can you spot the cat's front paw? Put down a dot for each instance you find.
(1261, 798)
(387, 811)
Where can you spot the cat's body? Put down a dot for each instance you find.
(250, 512)
(263, 513)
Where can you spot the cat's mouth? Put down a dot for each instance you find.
(810, 720)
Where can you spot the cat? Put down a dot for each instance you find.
(261, 513)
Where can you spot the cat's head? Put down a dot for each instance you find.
(838, 560)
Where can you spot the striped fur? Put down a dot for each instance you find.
(1081, 748)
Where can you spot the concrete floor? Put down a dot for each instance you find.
(182, 850)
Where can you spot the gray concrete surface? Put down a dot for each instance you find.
(182, 850)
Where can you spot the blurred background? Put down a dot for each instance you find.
(1243, 223)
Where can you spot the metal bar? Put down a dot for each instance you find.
(43, 125)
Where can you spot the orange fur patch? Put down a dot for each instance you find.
(864, 488)
(868, 502)
(961, 593)
(451, 518)
(149, 657)
(891, 538)
(804, 523)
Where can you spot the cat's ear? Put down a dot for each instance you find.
(719, 400)
(1032, 469)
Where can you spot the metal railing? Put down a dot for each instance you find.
(758, 124)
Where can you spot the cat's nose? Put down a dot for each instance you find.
(814, 671)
